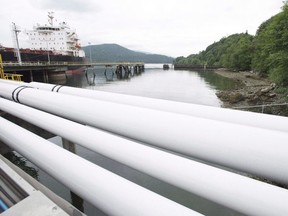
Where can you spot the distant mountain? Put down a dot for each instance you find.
(117, 53)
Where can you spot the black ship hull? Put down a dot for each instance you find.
(32, 56)
(57, 76)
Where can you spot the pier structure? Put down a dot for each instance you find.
(194, 67)
(207, 151)
(126, 71)
(56, 71)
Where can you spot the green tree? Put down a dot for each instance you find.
(279, 68)
(271, 48)
(266, 53)
(233, 52)
(241, 56)
(263, 46)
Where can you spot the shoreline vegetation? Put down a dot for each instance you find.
(252, 92)
(266, 54)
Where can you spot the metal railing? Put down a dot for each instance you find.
(15, 77)
(8, 76)
(37, 63)
(45, 63)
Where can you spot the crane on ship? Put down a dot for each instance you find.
(15, 31)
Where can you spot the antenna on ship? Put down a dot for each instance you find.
(15, 32)
(51, 17)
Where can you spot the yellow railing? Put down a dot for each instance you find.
(1, 68)
(16, 77)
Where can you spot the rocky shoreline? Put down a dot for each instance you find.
(252, 91)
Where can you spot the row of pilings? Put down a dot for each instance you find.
(128, 71)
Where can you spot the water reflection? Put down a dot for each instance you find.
(220, 82)
(109, 73)
(90, 76)
(105, 74)
(22, 163)
(183, 86)
(180, 86)
(77, 201)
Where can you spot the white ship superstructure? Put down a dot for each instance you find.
(60, 39)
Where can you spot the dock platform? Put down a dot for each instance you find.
(41, 71)
(23, 195)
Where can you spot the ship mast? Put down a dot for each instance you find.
(16, 31)
(51, 17)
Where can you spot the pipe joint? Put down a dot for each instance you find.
(15, 93)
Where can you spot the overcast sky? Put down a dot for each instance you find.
(169, 27)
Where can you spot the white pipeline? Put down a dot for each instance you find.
(216, 113)
(197, 178)
(254, 150)
(107, 191)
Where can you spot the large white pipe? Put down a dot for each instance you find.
(216, 113)
(109, 192)
(175, 170)
(254, 150)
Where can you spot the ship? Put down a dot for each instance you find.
(46, 43)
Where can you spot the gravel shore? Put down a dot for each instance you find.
(252, 90)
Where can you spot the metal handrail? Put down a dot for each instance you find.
(260, 106)
(37, 63)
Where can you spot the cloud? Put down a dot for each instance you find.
(174, 27)
(78, 6)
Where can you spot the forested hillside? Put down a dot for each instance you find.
(271, 48)
(117, 53)
(233, 52)
(265, 53)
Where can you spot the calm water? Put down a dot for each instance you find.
(184, 86)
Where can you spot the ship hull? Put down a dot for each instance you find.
(52, 76)
(41, 56)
